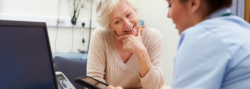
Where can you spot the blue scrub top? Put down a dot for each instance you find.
(214, 54)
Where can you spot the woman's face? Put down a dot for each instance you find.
(179, 14)
(123, 19)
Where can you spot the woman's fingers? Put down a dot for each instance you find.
(133, 43)
(126, 45)
(111, 87)
(119, 87)
(125, 40)
(124, 37)
(140, 30)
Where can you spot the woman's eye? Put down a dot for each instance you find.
(116, 22)
(128, 15)
(169, 5)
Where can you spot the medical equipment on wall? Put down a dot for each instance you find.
(83, 40)
(77, 9)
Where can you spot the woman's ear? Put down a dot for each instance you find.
(194, 5)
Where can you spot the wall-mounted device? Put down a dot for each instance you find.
(77, 9)
(83, 40)
(63, 82)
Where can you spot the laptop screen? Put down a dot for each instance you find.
(25, 58)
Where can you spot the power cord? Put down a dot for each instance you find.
(73, 21)
(72, 44)
(57, 23)
(90, 23)
(76, 11)
(72, 30)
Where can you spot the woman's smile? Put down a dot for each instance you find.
(130, 31)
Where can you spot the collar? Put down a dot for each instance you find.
(219, 13)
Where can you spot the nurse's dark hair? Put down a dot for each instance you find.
(214, 5)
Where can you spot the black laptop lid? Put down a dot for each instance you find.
(25, 56)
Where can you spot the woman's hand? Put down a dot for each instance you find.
(112, 87)
(133, 43)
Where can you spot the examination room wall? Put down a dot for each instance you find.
(153, 12)
(49, 8)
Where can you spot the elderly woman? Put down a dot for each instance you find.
(121, 52)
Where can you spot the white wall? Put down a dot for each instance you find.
(154, 14)
(49, 8)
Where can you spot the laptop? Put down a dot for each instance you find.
(25, 56)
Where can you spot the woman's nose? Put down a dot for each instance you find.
(127, 24)
(168, 15)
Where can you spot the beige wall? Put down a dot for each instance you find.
(154, 13)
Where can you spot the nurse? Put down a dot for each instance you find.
(214, 47)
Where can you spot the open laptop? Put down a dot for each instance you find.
(25, 56)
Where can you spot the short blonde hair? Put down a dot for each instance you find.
(105, 7)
